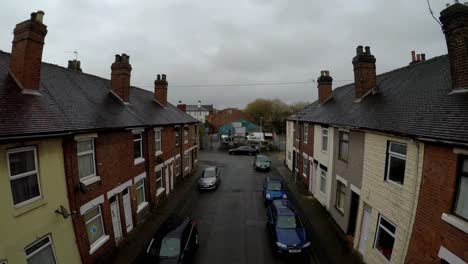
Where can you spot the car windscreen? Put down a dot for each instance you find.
(208, 174)
(288, 222)
(262, 159)
(170, 247)
(274, 186)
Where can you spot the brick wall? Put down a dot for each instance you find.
(438, 191)
(223, 117)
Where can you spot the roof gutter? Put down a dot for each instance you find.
(445, 142)
(36, 136)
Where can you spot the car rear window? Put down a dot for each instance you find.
(208, 174)
(170, 247)
(288, 222)
(274, 186)
(262, 159)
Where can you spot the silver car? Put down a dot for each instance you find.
(209, 179)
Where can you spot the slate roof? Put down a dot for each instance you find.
(72, 101)
(414, 100)
(204, 108)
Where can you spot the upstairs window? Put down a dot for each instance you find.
(396, 162)
(344, 145)
(297, 131)
(177, 136)
(177, 166)
(304, 166)
(24, 175)
(185, 136)
(86, 158)
(461, 203)
(306, 133)
(159, 184)
(325, 139)
(385, 237)
(41, 251)
(157, 141)
(137, 146)
(323, 179)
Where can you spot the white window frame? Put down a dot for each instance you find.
(377, 233)
(289, 155)
(28, 256)
(144, 203)
(306, 133)
(140, 159)
(25, 174)
(323, 178)
(324, 135)
(186, 136)
(340, 149)
(159, 190)
(177, 166)
(92, 178)
(156, 140)
(297, 131)
(101, 240)
(391, 154)
(338, 195)
(305, 163)
(186, 161)
(177, 136)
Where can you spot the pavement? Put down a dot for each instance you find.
(231, 219)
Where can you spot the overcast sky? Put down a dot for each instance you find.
(214, 42)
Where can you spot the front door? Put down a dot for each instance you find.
(364, 228)
(166, 176)
(353, 213)
(114, 205)
(171, 174)
(127, 210)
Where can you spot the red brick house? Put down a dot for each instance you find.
(223, 117)
(124, 148)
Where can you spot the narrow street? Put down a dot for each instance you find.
(231, 219)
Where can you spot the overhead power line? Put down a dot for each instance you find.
(432, 13)
(246, 84)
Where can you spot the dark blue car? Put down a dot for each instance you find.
(285, 226)
(273, 188)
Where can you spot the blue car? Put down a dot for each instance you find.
(273, 188)
(285, 226)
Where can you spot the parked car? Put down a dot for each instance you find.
(273, 188)
(175, 242)
(209, 179)
(243, 150)
(286, 229)
(262, 162)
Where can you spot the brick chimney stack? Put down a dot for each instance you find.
(182, 107)
(364, 72)
(160, 90)
(120, 77)
(74, 65)
(455, 26)
(26, 52)
(324, 85)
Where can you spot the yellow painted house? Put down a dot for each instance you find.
(32, 188)
(389, 197)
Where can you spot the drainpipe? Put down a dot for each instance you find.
(147, 165)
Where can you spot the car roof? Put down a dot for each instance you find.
(210, 169)
(263, 156)
(283, 207)
(273, 179)
(177, 232)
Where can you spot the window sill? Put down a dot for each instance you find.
(138, 161)
(22, 209)
(456, 222)
(98, 243)
(159, 152)
(339, 210)
(305, 175)
(324, 151)
(159, 191)
(90, 180)
(142, 206)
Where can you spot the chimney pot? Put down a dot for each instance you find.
(413, 56)
(359, 50)
(418, 56)
(39, 16)
(423, 57)
(158, 77)
(367, 50)
(163, 77)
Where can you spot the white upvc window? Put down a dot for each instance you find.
(40, 251)
(396, 162)
(324, 139)
(304, 166)
(140, 194)
(177, 136)
(158, 141)
(159, 184)
(177, 166)
(306, 133)
(385, 237)
(289, 155)
(137, 146)
(24, 175)
(95, 228)
(86, 160)
(186, 162)
(340, 195)
(323, 180)
(186, 136)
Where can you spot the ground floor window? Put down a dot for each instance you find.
(40, 252)
(94, 225)
(159, 179)
(177, 166)
(140, 192)
(385, 238)
(186, 161)
(323, 179)
(289, 155)
(340, 195)
(304, 166)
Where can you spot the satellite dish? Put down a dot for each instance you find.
(83, 188)
(63, 211)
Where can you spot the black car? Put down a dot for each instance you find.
(244, 150)
(175, 242)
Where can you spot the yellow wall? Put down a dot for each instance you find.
(22, 226)
(395, 202)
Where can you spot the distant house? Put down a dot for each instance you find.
(387, 155)
(199, 111)
(230, 128)
(223, 117)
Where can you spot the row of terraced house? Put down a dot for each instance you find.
(83, 160)
(387, 155)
